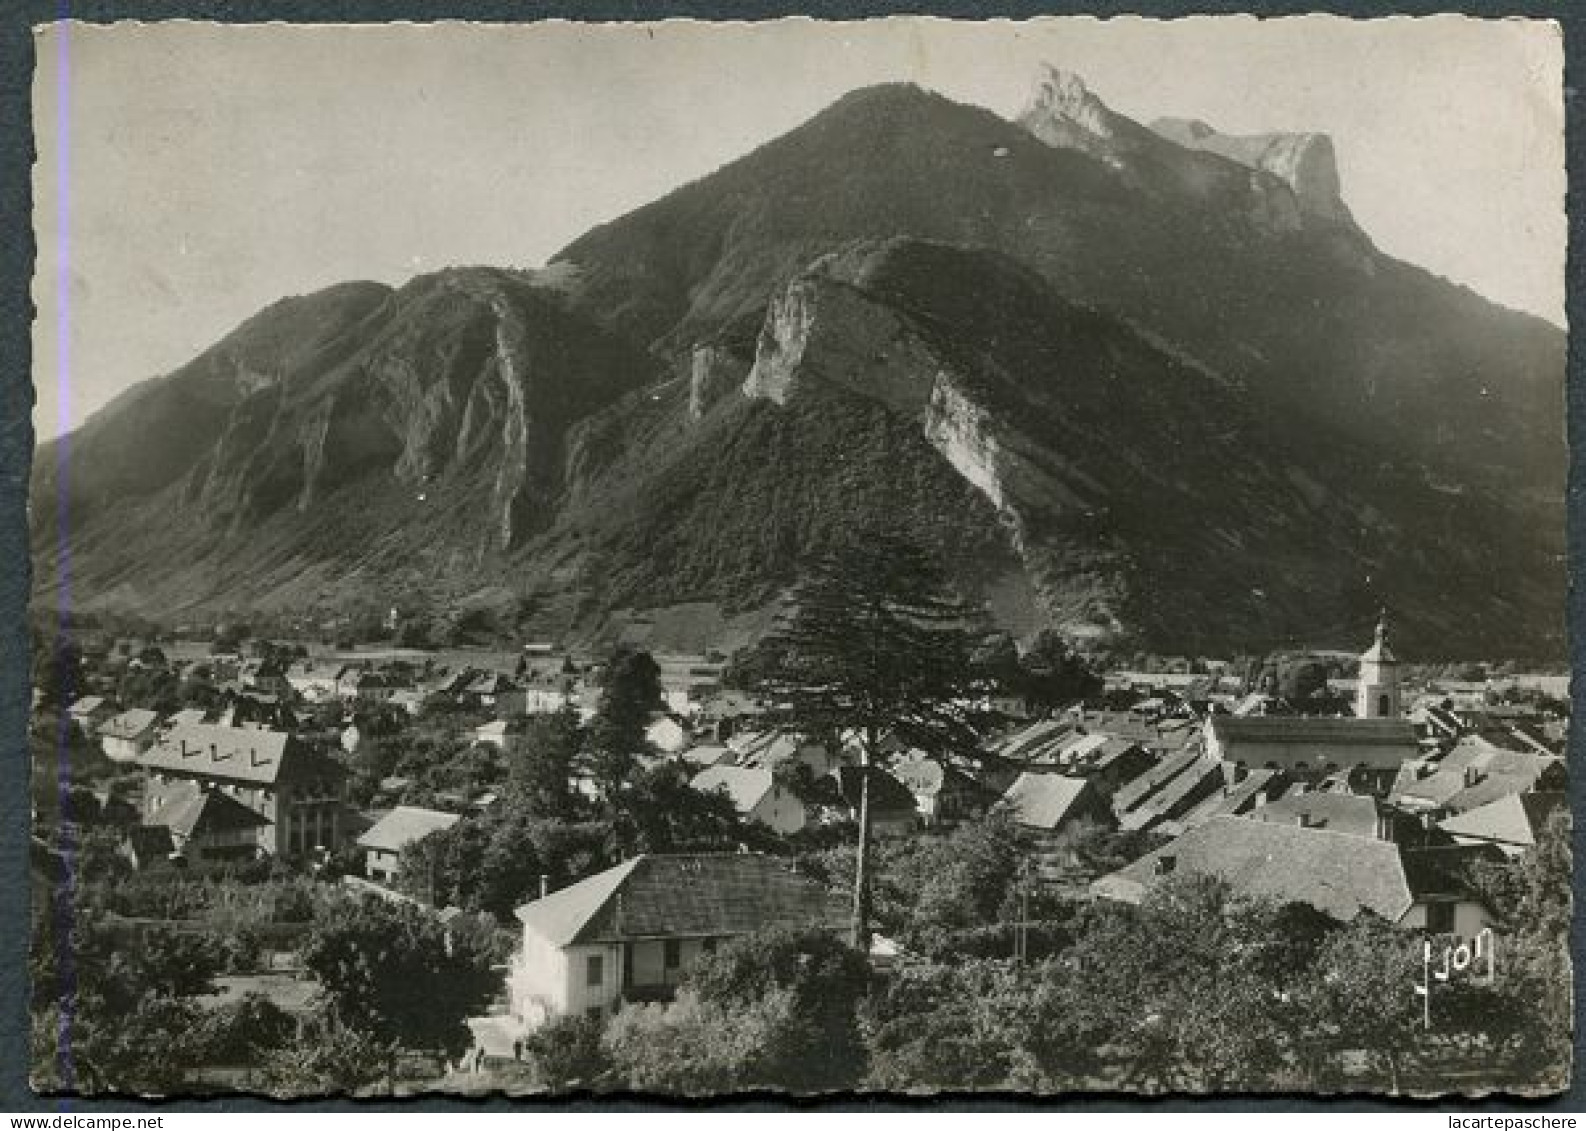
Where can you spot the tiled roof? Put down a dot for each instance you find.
(404, 825)
(1338, 874)
(242, 754)
(1047, 801)
(1136, 791)
(1512, 819)
(746, 785)
(128, 724)
(189, 810)
(1349, 813)
(1472, 774)
(684, 896)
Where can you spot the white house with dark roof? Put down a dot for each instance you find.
(386, 838)
(128, 734)
(756, 795)
(628, 933)
(299, 791)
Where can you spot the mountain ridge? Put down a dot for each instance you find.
(1068, 370)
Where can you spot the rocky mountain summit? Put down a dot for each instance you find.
(1142, 384)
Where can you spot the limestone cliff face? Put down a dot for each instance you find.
(1306, 162)
(714, 372)
(1065, 114)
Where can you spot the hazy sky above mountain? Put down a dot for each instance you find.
(210, 170)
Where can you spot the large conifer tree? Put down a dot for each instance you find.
(876, 644)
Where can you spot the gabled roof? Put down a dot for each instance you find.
(129, 724)
(1472, 774)
(746, 785)
(87, 705)
(1048, 801)
(404, 825)
(1335, 873)
(1513, 819)
(189, 810)
(683, 896)
(1348, 813)
(929, 776)
(243, 754)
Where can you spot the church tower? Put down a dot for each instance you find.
(1377, 694)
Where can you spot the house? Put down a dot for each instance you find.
(296, 789)
(769, 749)
(500, 733)
(408, 699)
(1052, 803)
(1511, 823)
(205, 823)
(1243, 791)
(1168, 791)
(756, 795)
(1337, 873)
(88, 712)
(1472, 774)
(128, 734)
(314, 682)
(942, 793)
(384, 841)
(630, 932)
(492, 691)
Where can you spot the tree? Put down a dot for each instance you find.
(327, 1057)
(567, 1052)
(1053, 675)
(1361, 996)
(876, 645)
(630, 696)
(775, 1009)
(1301, 679)
(57, 671)
(661, 812)
(393, 972)
(540, 774)
(818, 1046)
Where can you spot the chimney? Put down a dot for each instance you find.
(545, 885)
(1304, 820)
(1163, 865)
(1472, 776)
(184, 748)
(1384, 826)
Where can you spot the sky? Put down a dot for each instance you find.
(190, 174)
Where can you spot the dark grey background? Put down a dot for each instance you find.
(16, 441)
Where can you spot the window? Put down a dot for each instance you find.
(594, 970)
(1440, 918)
(672, 954)
(709, 946)
(1384, 706)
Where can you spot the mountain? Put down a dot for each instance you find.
(1152, 385)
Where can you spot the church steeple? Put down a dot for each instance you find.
(1377, 692)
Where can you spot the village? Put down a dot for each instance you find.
(241, 794)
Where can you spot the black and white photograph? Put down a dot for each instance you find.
(898, 557)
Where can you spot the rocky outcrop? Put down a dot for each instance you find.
(1305, 162)
(714, 372)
